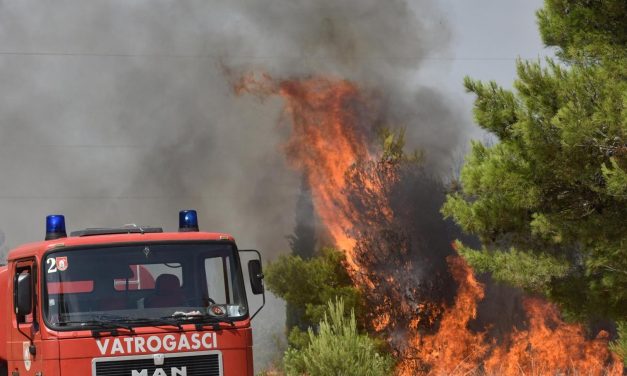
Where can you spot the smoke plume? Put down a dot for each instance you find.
(116, 111)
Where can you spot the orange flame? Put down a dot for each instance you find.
(324, 142)
(548, 347)
(322, 145)
(330, 119)
(453, 349)
(551, 346)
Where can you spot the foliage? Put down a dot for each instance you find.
(338, 349)
(302, 243)
(620, 345)
(309, 284)
(393, 148)
(523, 269)
(303, 240)
(549, 200)
(590, 28)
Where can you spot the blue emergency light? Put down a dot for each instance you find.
(188, 221)
(55, 227)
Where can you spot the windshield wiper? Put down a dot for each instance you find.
(167, 320)
(99, 324)
(202, 318)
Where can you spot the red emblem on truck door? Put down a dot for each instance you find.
(62, 264)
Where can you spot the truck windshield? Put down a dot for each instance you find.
(143, 283)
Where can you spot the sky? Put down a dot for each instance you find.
(487, 38)
(115, 112)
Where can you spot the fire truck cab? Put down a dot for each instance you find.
(133, 301)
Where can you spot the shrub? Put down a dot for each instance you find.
(338, 349)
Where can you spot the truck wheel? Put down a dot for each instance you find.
(4, 371)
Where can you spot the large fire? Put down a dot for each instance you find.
(333, 122)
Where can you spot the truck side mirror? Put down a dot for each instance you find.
(256, 276)
(24, 298)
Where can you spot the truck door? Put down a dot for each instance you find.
(25, 347)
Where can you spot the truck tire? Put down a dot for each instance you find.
(4, 371)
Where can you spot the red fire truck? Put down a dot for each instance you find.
(133, 301)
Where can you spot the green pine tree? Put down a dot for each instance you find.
(308, 284)
(337, 349)
(302, 243)
(549, 200)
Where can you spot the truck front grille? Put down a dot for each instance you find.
(189, 364)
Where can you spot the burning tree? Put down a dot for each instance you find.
(401, 244)
(381, 208)
(423, 299)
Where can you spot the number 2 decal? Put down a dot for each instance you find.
(53, 265)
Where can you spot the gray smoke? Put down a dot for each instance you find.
(380, 45)
(117, 111)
